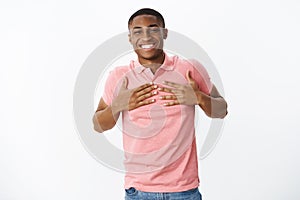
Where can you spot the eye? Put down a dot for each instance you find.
(154, 30)
(137, 32)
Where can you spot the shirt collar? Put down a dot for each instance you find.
(168, 65)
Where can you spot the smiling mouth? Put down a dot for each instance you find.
(147, 46)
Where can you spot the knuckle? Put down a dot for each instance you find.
(139, 99)
(146, 90)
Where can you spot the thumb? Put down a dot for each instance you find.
(188, 76)
(125, 83)
(191, 81)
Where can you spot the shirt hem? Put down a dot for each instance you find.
(163, 189)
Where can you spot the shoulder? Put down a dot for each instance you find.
(192, 64)
(119, 71)
(188, 64)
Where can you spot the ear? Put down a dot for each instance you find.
(129, 38)
(165, 33)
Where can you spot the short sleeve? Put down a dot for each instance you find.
(112, 85)
(201, 76)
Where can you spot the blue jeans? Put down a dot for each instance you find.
(134, 194)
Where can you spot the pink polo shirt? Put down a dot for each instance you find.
(159, 142)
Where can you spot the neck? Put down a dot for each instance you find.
(154, 63)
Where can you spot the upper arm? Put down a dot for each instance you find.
(112, 84)
(201, 76)
(103, 118)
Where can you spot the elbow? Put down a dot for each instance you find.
(97, 129)
(223, 115)
(220, 112)
(97, 126)
(220, 115)
(224, 111)
(100, 126)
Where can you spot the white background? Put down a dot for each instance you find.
(254, 45)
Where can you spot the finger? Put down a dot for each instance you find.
(191, 81)
(144, 86)
(141, 103)
(146, 96)
(168, 90)
(145, 102)
(171, 103)
(125, 83)
(172, 84)
(146, 90)
(168, 97)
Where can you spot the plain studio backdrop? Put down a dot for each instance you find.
(255, 48)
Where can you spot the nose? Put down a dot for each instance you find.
(146, 34)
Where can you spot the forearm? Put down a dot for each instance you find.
(214, 107)
(105, 119)
(106, 115)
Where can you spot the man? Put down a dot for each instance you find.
(157, 95)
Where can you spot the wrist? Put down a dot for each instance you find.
(115, 107)
(199, 96)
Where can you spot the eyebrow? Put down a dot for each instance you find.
(151, 25)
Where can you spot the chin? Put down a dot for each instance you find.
(149, 55)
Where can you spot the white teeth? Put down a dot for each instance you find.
(147, 46)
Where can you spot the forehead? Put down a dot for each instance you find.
(145, 20)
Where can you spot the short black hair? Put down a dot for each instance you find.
(147, 11)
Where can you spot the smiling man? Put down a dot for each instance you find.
(157, 95)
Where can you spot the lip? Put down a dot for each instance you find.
(147, 46)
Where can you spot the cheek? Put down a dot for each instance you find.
(161, 41)
(134, 45)
(133, 41)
